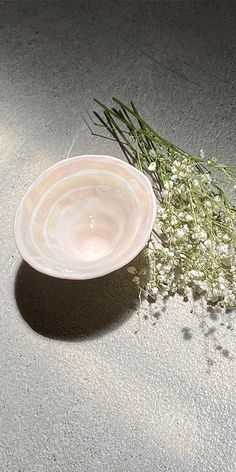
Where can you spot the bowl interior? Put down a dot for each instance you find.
(85, 217)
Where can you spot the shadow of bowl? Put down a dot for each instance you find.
(72, 309)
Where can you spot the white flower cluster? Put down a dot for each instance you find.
(192, 248)
(195, 249)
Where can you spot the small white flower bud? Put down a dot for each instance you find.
(131, 270)
(154, 290)
(202, 154)
(152, 167)
(136, 280)
(202, 235)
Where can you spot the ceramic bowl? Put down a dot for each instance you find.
(85, 217)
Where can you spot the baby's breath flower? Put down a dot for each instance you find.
(196, 184)
(206, 178)
(152, 167)
(174, 177)
(202, 153)
(164, 216)
(195, 252)
(164, 194)
(176, 163)
(208, 243)
(189, 218)
(136, 280)
(195, 274)
(168, 185)
(223, 249)
(225, 238)
(154, 291)
(174, 221)
(160, 211)
(202, 235)
(132, 270)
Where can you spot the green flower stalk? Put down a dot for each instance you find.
(192, 247)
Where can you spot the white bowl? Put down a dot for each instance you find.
(85, 217)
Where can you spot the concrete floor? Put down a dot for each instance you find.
(86, 383)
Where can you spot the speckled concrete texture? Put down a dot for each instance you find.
(87, 383)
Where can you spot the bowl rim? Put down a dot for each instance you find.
(40, 267)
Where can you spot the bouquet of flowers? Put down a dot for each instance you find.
(192, 247)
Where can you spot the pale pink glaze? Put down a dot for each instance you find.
(85, 217)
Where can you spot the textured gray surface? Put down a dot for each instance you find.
(87, 383)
